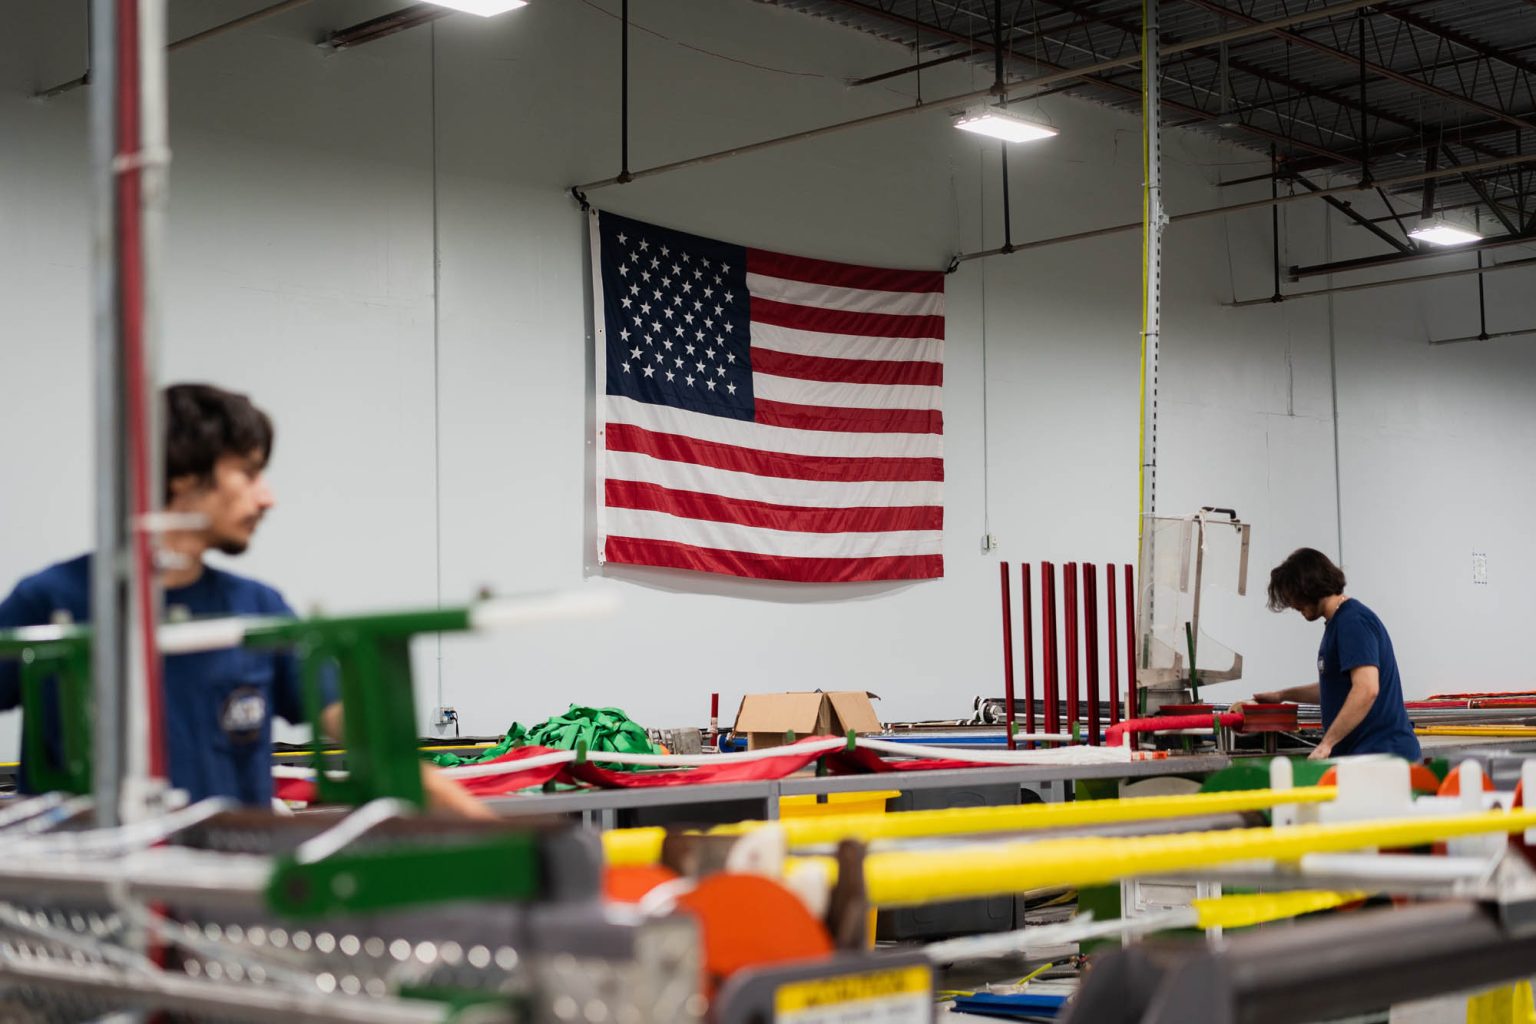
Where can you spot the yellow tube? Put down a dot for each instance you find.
(632, 846)
(1245, 910)
(902, 878)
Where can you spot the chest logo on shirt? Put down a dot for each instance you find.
(1319, 664)
(244, 712)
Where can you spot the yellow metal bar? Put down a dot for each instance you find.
(1477, 730)
(643, 846)
(1246, 910)
(954, 873)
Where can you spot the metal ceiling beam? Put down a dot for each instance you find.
(1378, 70)
(1460, 39)
(1089, 73)
(1376, 262)
(1482, 193)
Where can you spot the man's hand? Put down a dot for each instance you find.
(1321, 752)
(1258, 698)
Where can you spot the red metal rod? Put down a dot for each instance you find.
(1007, 650)
(1091, 646)
(1132, 704)
(1048, 645)
(1069, 607)
(1113, 627)
(1026, 612)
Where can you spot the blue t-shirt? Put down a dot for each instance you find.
(1353, 638)
(218, 704)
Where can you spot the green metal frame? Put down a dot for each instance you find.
(61, 665)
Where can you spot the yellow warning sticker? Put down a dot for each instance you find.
(894, 996)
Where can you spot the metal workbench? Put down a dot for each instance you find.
(737, 801)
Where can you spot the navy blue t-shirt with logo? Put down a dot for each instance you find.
(1355, 638)
(218, 704)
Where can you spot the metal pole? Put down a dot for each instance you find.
(624, 176)
(1048, 646)
(1132, 703)
(1274, 217)
(1026, 612)
(1007, 651)
(1153, 220)
(109, 587)
(1069, 609)
(1113, 620)
(1463, 272)
(1091, 646)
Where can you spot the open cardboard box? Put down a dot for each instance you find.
(764, 718)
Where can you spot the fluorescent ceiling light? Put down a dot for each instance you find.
(1003, 124)
(484, 8)
(1438, 232)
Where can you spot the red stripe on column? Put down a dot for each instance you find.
(794, 518)
(672, 555)
(841, 321)
(854, 421)
(842, 275)
(677, 448)
(846, 371)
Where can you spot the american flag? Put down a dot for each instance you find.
(765, 415)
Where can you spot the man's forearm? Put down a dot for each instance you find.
(1311, 693)
(1356, 706)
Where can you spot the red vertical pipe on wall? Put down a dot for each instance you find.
(1026, 612)
(1091, 646)
(1069, 608)
(1048, 645)
(1113, 626)
(1007, 650)
(1132, 704)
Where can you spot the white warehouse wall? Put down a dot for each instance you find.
(428, 449)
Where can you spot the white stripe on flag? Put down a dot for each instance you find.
(847, 346)
(688, 476)
(845, 396)
(668, 419)
(854, 300)
(626, 522)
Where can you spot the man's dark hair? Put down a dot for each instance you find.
(1305, 578)
(202, 423)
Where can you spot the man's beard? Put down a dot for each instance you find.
(230, 546)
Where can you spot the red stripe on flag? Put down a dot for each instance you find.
(672, 555)
(840, 321)
(794, 518)
(853, 421)
(622, 437)
(846, 371)
(842, 275)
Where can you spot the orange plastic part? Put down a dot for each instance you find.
(629, 884)
(1452, 784)
(1420, 779)
(749, 920)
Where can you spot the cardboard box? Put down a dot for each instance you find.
(764, 718)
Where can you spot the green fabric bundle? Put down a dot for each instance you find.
(603, 729)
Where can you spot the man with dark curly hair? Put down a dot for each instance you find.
(218, 704)
(1358, 685)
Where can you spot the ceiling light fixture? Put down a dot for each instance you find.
(484, 8)
(1000, 123)
(1438, 231)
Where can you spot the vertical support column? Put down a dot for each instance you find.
(1048, 646)
(1153, 220)
(1007, 650)
(1026, 613)
(1132, 695)
(129, 151)
(1091, 646)
(1069, 608)
(1112, 624)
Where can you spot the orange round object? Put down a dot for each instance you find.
(1452, 784)
(1519, 800)
(630, 883)
(1329, 777)
(749, 920)
(1422, 780)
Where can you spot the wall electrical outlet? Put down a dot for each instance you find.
(1480, 568)
(989, 542)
